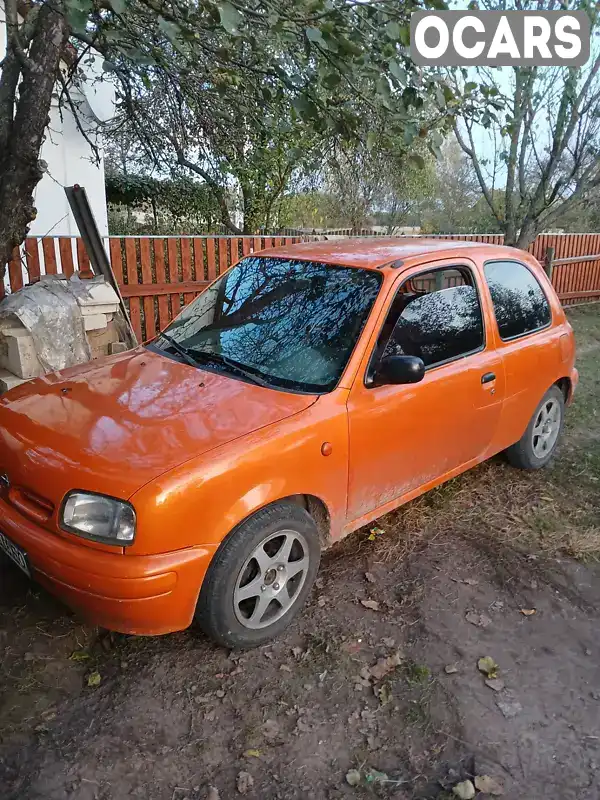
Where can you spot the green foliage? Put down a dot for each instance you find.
(456, 204)
(179, 204)
(321, 55)
(384, 178)
(310, 210)
(243, 95)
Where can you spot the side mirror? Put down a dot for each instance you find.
(399, 369)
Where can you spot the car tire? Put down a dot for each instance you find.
(260, 577)
(538, 445)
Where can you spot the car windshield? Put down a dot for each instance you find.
(285, 323)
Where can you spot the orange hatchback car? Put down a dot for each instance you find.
(307, 391)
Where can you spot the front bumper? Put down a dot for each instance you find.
(144, 595)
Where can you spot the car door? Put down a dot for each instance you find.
(527, 342)
(403, 438)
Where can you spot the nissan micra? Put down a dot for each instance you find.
(307, 391)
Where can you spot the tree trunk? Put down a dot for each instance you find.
(526, 235)
(20, 168)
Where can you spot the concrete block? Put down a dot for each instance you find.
(102, 293)
(99, 352)
(11, 323)
(117, 347)
(100, 299)
(9, 381)
(18, 354)
(98, 308)
(102, 338)
(94, 322)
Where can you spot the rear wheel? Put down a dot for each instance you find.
(260, 577)
(537, 446)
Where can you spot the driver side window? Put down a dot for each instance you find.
(435, 316)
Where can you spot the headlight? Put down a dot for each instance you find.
(98, 517)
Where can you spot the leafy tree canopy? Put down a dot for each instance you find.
(324, 62)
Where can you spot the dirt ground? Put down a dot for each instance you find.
(392, 691)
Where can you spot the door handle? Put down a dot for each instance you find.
(488, 377)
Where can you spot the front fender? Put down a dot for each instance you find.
(201, 501)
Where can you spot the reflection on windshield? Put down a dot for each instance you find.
(293, 323)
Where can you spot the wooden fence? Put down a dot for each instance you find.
(158, 275)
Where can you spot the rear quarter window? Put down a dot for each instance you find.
(520, 304)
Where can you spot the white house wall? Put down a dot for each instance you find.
(70, 160)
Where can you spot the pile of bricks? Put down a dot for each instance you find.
(18, 357)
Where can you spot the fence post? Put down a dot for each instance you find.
(548, 262)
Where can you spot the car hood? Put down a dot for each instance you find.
(113, 425)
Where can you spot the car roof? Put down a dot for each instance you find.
(378, 252)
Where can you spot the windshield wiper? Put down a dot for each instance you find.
(183, 351)
(197, 357)
(229, 362)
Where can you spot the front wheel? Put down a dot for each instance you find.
(537, 446)
(260, 577)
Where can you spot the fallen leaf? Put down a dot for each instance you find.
(450, 669)
(449, 779)
(528, 612)
(487, 785)
(497, 684)
(383, 666)
(94, 679)
(387, 642)
(370, 577)
(375, 776)
(252, 753)
(372, 604)
(481, 620)
(353, 777)
(488, 666)
(79, 655)
(384, 694)
(285, 668)
(244, 782)
(464, 790)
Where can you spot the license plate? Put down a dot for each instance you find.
(15, 553)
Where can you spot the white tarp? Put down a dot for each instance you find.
(50, 312)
